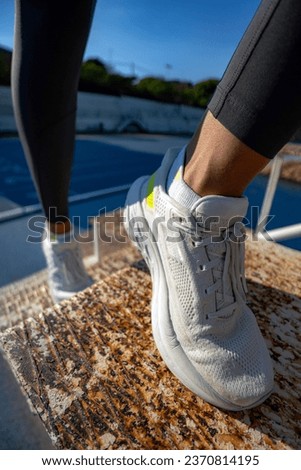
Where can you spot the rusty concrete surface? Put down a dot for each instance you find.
(93, 374)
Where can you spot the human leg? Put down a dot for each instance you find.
(214, 159)
(193, 242)
(256, 107)
(50, 38)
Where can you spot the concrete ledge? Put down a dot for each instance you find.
(95, 377)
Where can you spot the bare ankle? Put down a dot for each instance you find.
(218, 163)
(59, 228)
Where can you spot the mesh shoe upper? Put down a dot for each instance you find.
(66, 271)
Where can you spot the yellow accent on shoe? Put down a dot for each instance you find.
(178, 175)
(150, 192)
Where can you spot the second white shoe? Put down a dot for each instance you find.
(205, 332)
(66, 271)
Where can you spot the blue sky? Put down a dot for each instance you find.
(195, 37)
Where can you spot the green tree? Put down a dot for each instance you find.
(93, 75)
(157, 88)
(97, 78)
(122, 85)
(177, 91)
(203, 91)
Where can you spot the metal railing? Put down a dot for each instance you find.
(18, 212)
(281, 233)
(277, 234)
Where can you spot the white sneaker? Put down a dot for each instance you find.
(66, 271)
(205, 332)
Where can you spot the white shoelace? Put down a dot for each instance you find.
(226, 263)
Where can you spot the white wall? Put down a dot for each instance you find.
(114, 114)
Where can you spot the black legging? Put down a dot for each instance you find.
(50, 39)
(258, 98)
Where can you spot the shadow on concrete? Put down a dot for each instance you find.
(20, 429)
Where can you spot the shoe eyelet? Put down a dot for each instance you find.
(176, 217)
